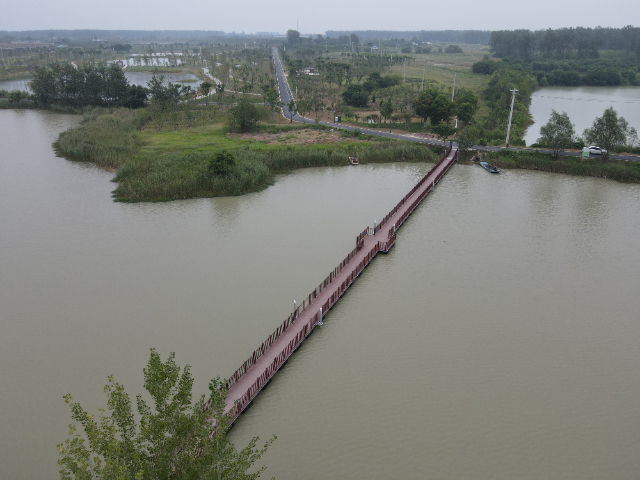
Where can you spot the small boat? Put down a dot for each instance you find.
(489, 168)
(353, 160)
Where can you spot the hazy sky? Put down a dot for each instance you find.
(252, 16)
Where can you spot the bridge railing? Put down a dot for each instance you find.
(327, 281)
(257, 353)
(412, 191)
(295, 342)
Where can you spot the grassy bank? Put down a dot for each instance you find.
(156, 165)
(615, 170)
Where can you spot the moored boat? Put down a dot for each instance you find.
(489, 168)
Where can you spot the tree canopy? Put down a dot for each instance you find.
(356, 96)
(173, 439)
(244, 116)
(559, 133)
(610, 132)
(434, 105)
(87, 84)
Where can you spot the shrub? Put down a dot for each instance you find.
(485, 67)
(244, 116)
(453, 49)
(221, 163)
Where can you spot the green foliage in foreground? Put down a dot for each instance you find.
(154, 166)
(174, 439)
(620, 171)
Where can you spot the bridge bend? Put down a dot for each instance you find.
(252, 376)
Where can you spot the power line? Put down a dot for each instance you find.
(513, 100)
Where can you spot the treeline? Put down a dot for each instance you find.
(563, 43)
(89, 84)
(110, 34)
(498, 97)
(459, 36)
(591, 72)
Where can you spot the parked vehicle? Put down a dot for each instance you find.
(593, 150)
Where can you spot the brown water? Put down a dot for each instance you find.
(498, 339)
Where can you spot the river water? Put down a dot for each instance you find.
(134, 78)
(498, 339)
(583, 105)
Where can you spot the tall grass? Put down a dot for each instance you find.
(185, 175)
(108, 140)
(174, 165)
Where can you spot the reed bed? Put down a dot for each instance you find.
(615, 170)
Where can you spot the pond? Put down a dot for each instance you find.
(583, 105)
(134, 78)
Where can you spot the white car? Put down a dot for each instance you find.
(597, 150)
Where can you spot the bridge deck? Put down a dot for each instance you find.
(249, 379)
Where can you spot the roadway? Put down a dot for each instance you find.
(286, 96)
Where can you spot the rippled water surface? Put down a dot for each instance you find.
(498, 339)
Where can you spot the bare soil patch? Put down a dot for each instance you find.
(296, 137)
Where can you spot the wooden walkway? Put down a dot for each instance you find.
(258, 369)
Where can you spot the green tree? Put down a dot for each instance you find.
(469, 136)
(244, 116)
(135, 97)
(443, 131)
(559, 133)
(206, 88)
(161, 95)
(293, 37)
(174, 439)
(386, 109)
(304, 107)
(356, 96)
(466, 106)
(610, 132)
(433, 104)
(441, 109)
(292, 109)
(272, 98)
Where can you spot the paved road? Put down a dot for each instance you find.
(286, 96)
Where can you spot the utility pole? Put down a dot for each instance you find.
(454, 87)
(513, 100)
(404, 70)
(423, 69)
